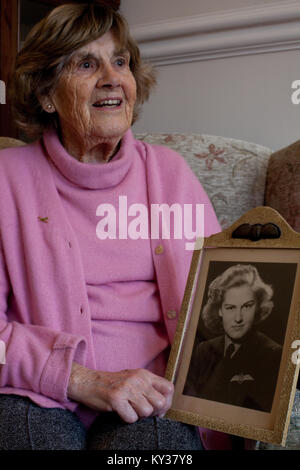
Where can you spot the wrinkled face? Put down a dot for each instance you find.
(238, 311)
(96, 92)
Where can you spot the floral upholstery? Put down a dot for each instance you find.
(239, 176)
(232, 172)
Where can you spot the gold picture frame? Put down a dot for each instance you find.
(251, 394)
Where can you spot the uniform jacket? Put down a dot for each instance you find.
(247, 379)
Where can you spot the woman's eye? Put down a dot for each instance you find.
(86, 65)
(249, 305)
(121, 62)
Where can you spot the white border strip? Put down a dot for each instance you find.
(270, 28)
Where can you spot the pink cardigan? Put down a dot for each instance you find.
(44, 311)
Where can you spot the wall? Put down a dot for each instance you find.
(146, 11)
(224, 67)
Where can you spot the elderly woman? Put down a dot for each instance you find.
(240, 366)
(87, 313)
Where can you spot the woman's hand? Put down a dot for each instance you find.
(133, 394)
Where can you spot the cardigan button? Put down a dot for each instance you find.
(159, 250)
(171, 314)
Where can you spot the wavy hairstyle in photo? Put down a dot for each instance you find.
(235, 276)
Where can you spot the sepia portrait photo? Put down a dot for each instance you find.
(238, 346)
(235, 345)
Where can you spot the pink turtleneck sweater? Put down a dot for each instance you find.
(119, 274)
(65, 294)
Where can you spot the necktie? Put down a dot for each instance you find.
(229, 351)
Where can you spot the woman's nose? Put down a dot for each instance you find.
(109, 77)
(238, 315)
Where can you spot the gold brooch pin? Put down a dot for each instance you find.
(43, 219)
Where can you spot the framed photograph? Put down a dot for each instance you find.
(234, 361)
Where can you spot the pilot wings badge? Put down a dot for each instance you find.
(241, 378)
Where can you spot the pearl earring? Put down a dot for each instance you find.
(49, 106)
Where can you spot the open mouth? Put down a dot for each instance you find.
(108, 103)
